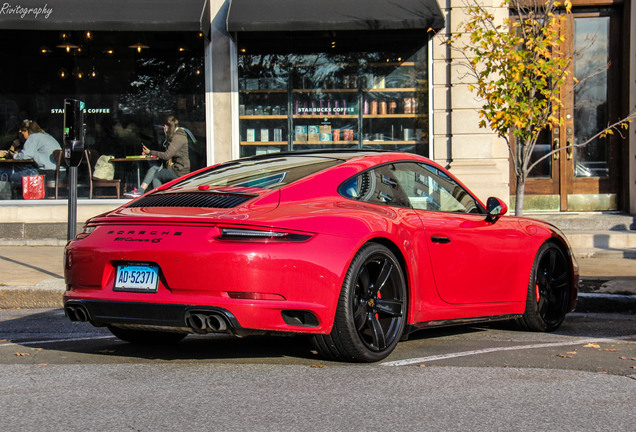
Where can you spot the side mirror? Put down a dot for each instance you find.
(496, 208)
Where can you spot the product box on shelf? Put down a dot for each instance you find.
(313, 133)
(264, 135)
(300, 133)
(251, 135)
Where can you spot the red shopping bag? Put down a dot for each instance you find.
(33, 187)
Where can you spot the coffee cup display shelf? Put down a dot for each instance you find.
(392, 96)
(325, 117)
(383, 109)
(263, 117)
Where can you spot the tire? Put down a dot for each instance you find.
(146, 337)
(548, 290)
(371, 313)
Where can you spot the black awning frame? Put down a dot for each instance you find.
(333, 15)
(106, 15)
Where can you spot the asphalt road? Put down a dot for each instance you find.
(58, 375)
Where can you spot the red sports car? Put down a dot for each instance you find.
(356, 248)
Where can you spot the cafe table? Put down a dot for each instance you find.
(11, 163)
(137, 160)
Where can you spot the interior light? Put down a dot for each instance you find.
(138, 46)
(68, 46)
(77, 73)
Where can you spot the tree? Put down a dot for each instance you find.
(519, 66)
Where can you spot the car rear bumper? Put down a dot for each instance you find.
(175, 317)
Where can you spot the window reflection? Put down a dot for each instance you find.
(541, 148)
(304, 93)
(590, 96)
(128, 80)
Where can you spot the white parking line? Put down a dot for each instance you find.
(57, 340)
(580, 341)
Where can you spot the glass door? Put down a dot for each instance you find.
(583, 178)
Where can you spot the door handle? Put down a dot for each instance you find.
(555, 146)
(436, 239)
(570, 150)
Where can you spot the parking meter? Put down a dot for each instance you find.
(73, 132)
(73, 153)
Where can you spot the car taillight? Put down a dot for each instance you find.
(243, 234)
(88, 229)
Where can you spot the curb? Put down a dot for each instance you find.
(46, 294)
(602, 302)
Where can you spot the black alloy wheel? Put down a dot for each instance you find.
(548, 290)
(371, 313)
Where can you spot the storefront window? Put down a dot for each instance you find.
(129, 81)
(339, 91)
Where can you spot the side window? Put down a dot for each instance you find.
(380, 185)
(413, 185)
(429, 188)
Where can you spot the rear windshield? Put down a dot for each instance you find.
(261, 173)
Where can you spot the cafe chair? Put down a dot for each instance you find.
(95, 182)
(58, 181)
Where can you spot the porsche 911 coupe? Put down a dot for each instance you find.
(355, 248)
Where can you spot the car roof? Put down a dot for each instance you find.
(330, 153)
(343, 155)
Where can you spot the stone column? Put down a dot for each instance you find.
(475, 155)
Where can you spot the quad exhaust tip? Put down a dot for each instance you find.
(206, 322)
(77, 313)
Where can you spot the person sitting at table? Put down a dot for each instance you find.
(39, 146)
(12, 148)
(176, 161)
(15, 145)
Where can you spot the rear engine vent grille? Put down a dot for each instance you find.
(212, 200)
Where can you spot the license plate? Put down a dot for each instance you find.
(137, 278)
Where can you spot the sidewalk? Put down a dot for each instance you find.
(33, 277)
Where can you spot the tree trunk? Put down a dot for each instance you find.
(521, 190)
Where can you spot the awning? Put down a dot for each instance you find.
(320, 15)
(106, 15)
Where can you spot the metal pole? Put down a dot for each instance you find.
(72, 202)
